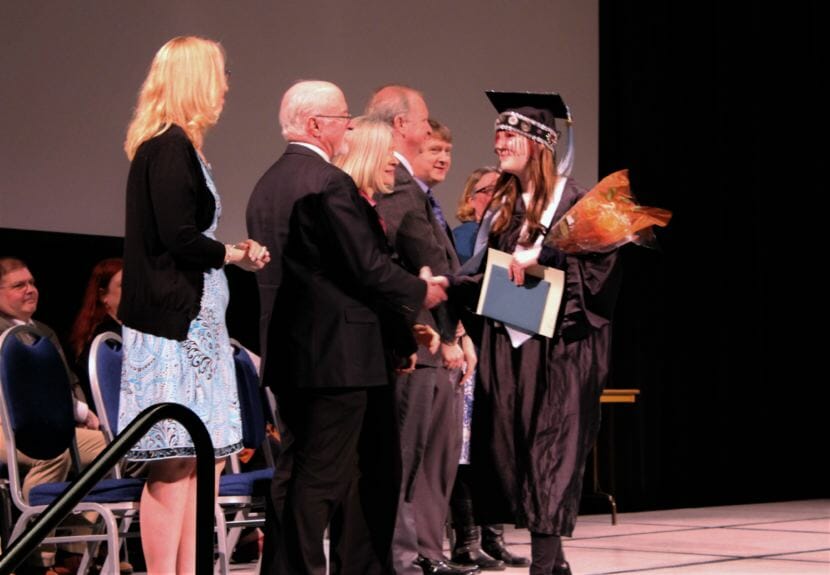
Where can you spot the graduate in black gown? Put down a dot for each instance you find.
(537, 407)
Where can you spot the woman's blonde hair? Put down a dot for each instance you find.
(368, 144)
(185, 86)
(542, 173)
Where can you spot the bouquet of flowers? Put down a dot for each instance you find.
(606, 218)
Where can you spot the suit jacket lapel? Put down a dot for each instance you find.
(404, 178)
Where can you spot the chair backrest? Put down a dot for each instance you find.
(105, 357)
(250, 399)
(36, 405)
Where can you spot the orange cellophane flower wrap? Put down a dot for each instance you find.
(606, 218)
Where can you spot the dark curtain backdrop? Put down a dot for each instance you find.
(715, 109)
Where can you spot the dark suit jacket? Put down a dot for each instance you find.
(339, 295)
(420, 241)
(295, 174)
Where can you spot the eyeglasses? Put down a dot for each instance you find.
(345, 117)
(485, 190)
(19, 286)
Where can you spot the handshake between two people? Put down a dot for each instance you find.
(436, 288)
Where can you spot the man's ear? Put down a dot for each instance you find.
(398, 121)
(312, 128)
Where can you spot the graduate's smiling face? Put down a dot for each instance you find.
(513, 151)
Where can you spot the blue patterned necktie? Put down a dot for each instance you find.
(436, 209)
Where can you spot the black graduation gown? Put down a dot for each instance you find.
(536, 409)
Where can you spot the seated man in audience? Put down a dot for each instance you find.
(18, 302)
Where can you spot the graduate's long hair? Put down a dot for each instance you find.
(542, 172)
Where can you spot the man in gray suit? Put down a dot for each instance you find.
(426, 398)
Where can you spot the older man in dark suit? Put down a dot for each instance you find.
(426, 398)
(339, 313)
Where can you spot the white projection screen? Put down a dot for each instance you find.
(71, 72)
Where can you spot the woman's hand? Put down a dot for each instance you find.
(520, 262)
(452, 355)
(249, 255)
(470, 358)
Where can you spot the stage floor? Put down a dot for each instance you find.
(789, 537)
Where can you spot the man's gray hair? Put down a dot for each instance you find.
(303, 100)
(390, 101)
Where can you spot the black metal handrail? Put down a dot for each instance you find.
(21, 547)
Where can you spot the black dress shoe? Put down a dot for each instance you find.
(444, 567)
(562, 568)
(497, 550)
(476, 557)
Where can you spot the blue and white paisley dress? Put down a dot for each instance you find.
(197, 373)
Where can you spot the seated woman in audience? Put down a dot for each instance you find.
(96, 316)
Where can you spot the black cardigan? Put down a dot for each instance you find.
(165, 253)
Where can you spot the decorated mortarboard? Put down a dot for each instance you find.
(533, 115)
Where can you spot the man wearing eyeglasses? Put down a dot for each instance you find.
(329, 303)
(313, 139)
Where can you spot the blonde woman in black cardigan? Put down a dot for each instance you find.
(174, 291)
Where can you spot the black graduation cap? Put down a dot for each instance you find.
(533, 114)
(540, 106)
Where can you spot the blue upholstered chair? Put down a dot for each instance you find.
(36, 408)
(104, 368)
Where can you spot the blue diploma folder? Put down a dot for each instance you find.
(521, 306)
(532, 307)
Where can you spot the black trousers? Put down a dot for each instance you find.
(344, 472)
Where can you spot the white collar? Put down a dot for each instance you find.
(314, 148)
(404, 162)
